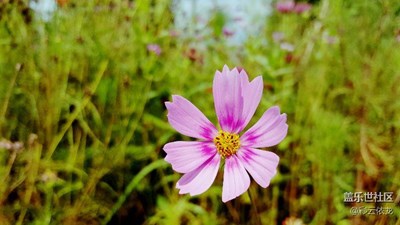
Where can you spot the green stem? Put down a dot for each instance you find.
(254, 207)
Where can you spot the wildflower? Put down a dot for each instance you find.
(302, 7)
(289, 6)
(155, 48)
(235, 101)
(227, 32)
(285, 6)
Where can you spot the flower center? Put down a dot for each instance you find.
(227, 144)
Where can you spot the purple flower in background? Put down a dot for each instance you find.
(285, 6)
(235, 101)
(228, 32)
(302, 7)
(289, 6)
(155, 48)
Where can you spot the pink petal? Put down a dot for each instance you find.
(236, 99)
(260, 164)
(155, 48)
(268, 131)
(189, 120)
(252, 93)
(228, 99)
(186, 156)
(236, 179)
(200, 179)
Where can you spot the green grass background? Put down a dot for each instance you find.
(86, 99)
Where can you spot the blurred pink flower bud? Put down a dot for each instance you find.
(285, 6)
(155, 48)
(228, 32)
(302, 7)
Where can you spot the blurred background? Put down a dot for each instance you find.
(83, 122)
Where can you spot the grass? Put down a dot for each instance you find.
(83, 122)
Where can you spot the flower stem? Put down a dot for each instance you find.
(254, 206)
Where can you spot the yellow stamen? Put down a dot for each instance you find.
(227, 144)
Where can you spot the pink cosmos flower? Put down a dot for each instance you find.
(227, 32)
(235, 100)
(289, 6)
(286, 6)
(302, 7)
(155, 48)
